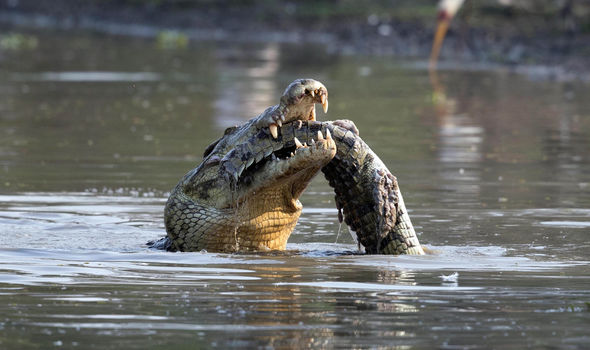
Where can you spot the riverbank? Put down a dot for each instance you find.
(483, 32)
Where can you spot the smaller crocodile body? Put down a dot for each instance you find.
(244, 195)
(366, 192)
(369, 195)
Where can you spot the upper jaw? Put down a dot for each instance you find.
(304, 110)
(297, 103)
(263, 161)
(298, 168)
(304, 93)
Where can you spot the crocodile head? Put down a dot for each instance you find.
(256, 172)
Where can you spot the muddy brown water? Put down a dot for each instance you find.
(95, 130)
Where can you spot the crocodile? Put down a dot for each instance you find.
(368, 196)
(244, 196)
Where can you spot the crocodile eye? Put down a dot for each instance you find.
(213, 160)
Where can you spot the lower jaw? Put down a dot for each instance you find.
(268, 231)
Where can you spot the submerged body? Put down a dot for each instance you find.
(244, 195)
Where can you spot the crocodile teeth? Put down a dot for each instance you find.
(297, 143)
(320, 136)
(292, 154)
(312, 115)
(274, 157)
(273, 130)
(279, 123)
(312, 93)
(324, 101)
(312, 142)
(250, 161)
(328, 136)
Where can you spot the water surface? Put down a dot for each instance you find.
(95, 130)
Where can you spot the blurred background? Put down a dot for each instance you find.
(505, 31)
(113, 84)
(479, 107)
(120, 96)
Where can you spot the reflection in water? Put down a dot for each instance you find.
(564, 150)
(460, 137)
(460, 140)
(87, 76)
(491, 124)
(246, 87)
(459, 145)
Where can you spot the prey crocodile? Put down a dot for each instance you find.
(244, 196)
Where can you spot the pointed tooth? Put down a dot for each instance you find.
(312, 142)
(279, 122)
(328, 136)
(249, 163)
(273, 130)
(292, 154)
(273, 157)
(297, 143)
(305, 144)
(267, 152)
(241, 170)
(324, 103)
(320, 136)
(312, 113)
(299, 124)
(312, 93)
(282, 116)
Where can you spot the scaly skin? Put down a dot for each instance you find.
(366, 192)
(244, 195)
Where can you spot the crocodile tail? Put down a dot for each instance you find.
(369, 196)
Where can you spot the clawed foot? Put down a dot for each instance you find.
(347, 124)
